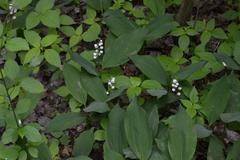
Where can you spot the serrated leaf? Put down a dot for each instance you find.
(120, 49)
(32, 85)
(11, 69)
(32, 134)
(51, 18)
(182, 137)
(52, 57)
(92, 33)
(17, 44)
(33, 38)
(32, 20)
(48, 40)
(150, 66)
(64, 121)
(66, 20)
(138, 131)
(84, 143)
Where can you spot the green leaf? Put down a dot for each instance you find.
(44, 152)
(92, 33)
(22, 155)
(72, 81)
(202, 132)
(66, 20)
(52, 57)
(236, 52)
(99, 5)
(22, 3)
(51, 18)
(33, 152)
(160, 26)
(64, 121)
(9, 136)
(94, 86)
(10, 152)
(84, 63)
(156, 6)
(17, 44)
(138, 131)
(121, 48)
(186, 72)
(109, 154)
(182, 137)
(117, 23)
(11, 69)
(99, 107)
(32, 134)
(215, 149)
(33, 38)
(32, 20)
(74, 40)
(234, 153)
(151, 67)
(219, 33)
(44, 5)
(151, 84)
(84, 143)
(99, 135)
(1, 28)
(227, 61)
(49, 40)
(183, 42)
(230, 117)
(153, 120)
(32, 85)
(216, 100)
(115, 129)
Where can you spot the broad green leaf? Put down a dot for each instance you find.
(44, 5)
(115, 129)
(32, 85)
(230, 117)
(182, 137)
(150, 66)
(156, 155)
(64, 121)
(23, 106)
(186, 72)
(52, 57)
(33, 152)
(216, 100)
(92, 33)
(99, 107)
(183, 42)
(72, 81)
(236, 52)
(74, 40)
(227, 61)
(120, 49)
(32, 134)
(66, 20)
(84, 63)
(94, 86)
(11, 69)
(109, 154)
(9, 152)
(17, 44)
(9, 136)
(31, 54)
(156, 6)
(215, 149)
(219, 33)
(84, 143)
(22, 3)
(51, 18)
(22, 155)
(32, 20)
(99, 5)
(160, 26)
(49, 40)
(1, 28)
(138, 131)
(33, 38)
(153, 120)
(44, 152)
(202, 132)
(118, 24)
(234, 153)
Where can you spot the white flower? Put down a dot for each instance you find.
(173, 89)
(178, 94)
(176, 87)
(180, 88)
(224, 64)
(98, 49)
(175, 81)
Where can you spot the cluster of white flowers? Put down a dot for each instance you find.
(12, 9)
(98, 49)
(176, 88)
(111, 83)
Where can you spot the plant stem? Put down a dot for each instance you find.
(9, 99)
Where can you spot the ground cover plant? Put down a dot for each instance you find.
(119, 79)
